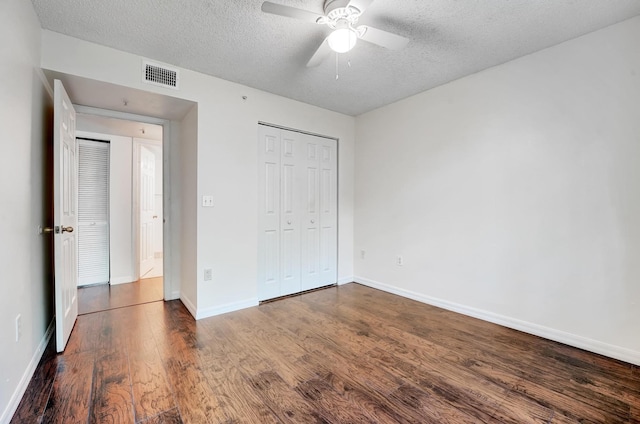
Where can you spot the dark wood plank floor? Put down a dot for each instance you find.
(105, 296)
(346, 354)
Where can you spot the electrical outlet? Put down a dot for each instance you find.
(399, 260)
(18, 327)
(208, 274)
(207, 201)
(363, 253)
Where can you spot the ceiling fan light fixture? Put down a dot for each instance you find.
(342, 40)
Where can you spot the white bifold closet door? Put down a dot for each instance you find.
(297, 241)
(93, 212)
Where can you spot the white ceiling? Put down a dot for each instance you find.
(235, 41)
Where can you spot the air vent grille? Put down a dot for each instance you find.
(156, 74)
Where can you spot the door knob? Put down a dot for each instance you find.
(68, 229)
(288, 222)
(313, 222)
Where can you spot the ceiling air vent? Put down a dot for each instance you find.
(162, 75)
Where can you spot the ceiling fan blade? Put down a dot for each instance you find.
(361, 5)
(383, 38)
(320, 55)
(290, 12)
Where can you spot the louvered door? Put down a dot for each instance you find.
(93, 212)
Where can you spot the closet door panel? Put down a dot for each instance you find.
(328, 212)
(93, 212)
(311, 221)
(268, 212)
(297, 246)
(290, 213)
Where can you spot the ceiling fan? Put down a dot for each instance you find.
(341, 16)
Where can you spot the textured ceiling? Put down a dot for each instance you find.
(235, 41)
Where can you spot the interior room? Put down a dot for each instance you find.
(436, 221)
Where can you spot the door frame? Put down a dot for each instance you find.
(170, 293)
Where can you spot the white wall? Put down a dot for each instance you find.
(121, 226)
(226, 164)
(25, 171)
(173, 198)
(514, 194)
(189, 210)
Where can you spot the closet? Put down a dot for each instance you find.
(297, 221)
(93, 212)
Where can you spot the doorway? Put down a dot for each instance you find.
(135, 191)
(107, 100)
(148, 194)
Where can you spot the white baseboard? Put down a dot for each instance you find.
(345, 280)
(121, 280)
(188, 304)
(229, 307)
(26, 377)
(595, 346)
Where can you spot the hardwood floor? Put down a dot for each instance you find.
(346, 354)
(104, 297)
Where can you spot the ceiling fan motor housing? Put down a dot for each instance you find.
(338, 15)
(331, 5)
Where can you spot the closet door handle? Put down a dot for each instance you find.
(288, 222)
(313, 222)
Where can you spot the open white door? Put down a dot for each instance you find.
(65, 219)
(147, 188)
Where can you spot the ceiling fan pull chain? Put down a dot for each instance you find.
(337, 76)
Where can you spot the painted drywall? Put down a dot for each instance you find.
(514, 194)
(121, 247)
(121, 237)
(188, 152)
(172, 197)
(25, 171)
(225, 166)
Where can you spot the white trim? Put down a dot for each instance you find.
(223, 309)
(122, 280)
(280, 127)
(45, 81)
(174, 295)
(12, 406)
(595, 346)
(345, 280)
(188, 304)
